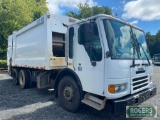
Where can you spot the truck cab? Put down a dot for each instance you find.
(111, 58)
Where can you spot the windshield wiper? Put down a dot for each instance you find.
(135, 48)
(138, 49)
(145, 56)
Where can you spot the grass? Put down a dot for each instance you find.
(3, 64)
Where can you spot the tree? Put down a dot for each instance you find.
(157, 43)
(154, 43)
(150, 42)
(16, 14)
(86, 11)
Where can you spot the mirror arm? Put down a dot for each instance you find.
(93, 63)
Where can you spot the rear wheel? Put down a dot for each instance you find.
(69, 94)
(24, 79)
(15, 75)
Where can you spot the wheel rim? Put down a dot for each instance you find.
(21, 79)
(68, 93)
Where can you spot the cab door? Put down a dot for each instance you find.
(89, 59)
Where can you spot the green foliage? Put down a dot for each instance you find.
(86, 11)
(15, 14)
(3, 64)
(153, 42)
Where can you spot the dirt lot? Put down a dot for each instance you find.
(35, 104)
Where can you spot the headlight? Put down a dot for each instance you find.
(116, 88)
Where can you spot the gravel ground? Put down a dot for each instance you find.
(35, 104)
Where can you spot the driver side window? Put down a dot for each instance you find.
(92, 47)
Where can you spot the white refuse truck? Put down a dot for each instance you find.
(100, 61)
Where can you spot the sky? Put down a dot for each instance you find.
(144, 14)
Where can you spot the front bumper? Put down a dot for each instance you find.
(119, 105)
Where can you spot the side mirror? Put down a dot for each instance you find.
(88, 32)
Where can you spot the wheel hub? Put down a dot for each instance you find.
(68, 93)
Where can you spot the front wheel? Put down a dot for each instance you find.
(69, 94)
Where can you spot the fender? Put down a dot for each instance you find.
(66, 72)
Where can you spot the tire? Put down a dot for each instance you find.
(69, 94)
(24, 79)
(15, 75)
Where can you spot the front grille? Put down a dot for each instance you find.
(139, 72)
(140, 82)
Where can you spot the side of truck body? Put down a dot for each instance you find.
(90, 61)
(33, 45)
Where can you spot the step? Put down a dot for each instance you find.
(97, 100)
(94, 102)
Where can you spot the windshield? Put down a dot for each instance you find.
(120, 41)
